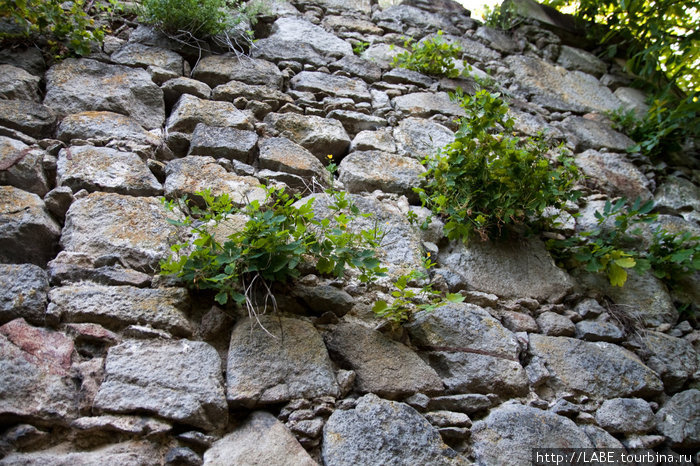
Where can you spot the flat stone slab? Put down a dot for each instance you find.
(21, 166)
(263, 370)
(371, 170)
(31, 118)
(333, 85)
(23, 293)
(77, 85)
(354, 122)
(126, 229)
(229, 143)
(132, 453)
(220, 69)
(177, 380)
(420, 138)
(580, 60)
(281, 154)
(18, 84)
(190, 111)
(383, 366)
(321, 136)
(135, 54)
(600, 370)
(117, 307)
(592, 134)
(300, 31)
(425, 104)
(106, 126)
(104, 169)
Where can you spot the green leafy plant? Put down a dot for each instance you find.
(674, 256)
(503, 16)
(360, 47)
(435, 57)
(487, 179)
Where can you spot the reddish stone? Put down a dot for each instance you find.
(41, 347)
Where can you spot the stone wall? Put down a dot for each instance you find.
(102, 361)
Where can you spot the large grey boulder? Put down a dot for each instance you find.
(469, 349)
(383, 366)
(177, 380)
(260, 439)
(190, 111)
(104, 169)
(104, 126)
(420, 138)
(176, 87)
(281, 154)
(36, 382)
(509, 270)
(333, 85)
(23, 293)
(28, 234)
(580, 60)
(21, 166)
(267, 368)
(77, 85)
(381, 140)
(593, 134)
(30, 118)
(371, 170)
(135, 54)
(426, 104)
(298, 31)
(382, 54)
(601, 370)
(321, 136)
(681, 195)
(679, 419)
(383, 432)
(229, 143)
(118, 228)
(356, 66)
(132, 453)
(354, 122)
(556, 88)
(510, 432)
(397, 18)
(625, 415)
(18, 84)
(119, 306)
(644, 297)
(220, 69)
(674, 359)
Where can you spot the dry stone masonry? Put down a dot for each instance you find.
(103, 361)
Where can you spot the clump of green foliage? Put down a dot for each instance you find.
(66, 27)
(503, 16)
(360, 47)
(487, 179)
(435, 57)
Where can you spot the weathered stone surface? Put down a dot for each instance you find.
(679, 419)
(35, 379)
(645, 297)
(28, 234)
(469, 349)
(299, 31)
(383, 366)
(265, 370)
(220, 69)
(556, 88)
(196, 173)
(382, 55)
(125, 424)
(633, 99)
(419, 138)
(391, 173)
(126, 229)
(354, 122)
(614, 174)
(329, 84)
(133, 453)
(425, 104)
(592, 134)
(519, 322)
(579, 60)
(601, 370)
(466, 403)
(510, 432)
(30, 118)
(497, 39)
(380, 140)
(72, 267)
(116, 307)
(17, 84)
(190, 111)
(625, 415)
(398, 18)
(276, 49)
(104, 169)
(135, 54)
(513, 270)
(232, 90)
(23, 293)
(77, 85)
(356, 66)
(350, 23)
(230, 143)
(281, 154)
(21, 166)
(679, 195)
(531, 125)
(383, 432)
(105, 126)
(448, 418)
(555, 325)
(261, 439)
(324, 298)
(321, 136)
(177, 380)
(591, 330)
(406, 76)
(174, 88)
(674, 359)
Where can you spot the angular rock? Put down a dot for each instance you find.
(513, 270)
(190, 111)
(301, 31)
(557, 89)
(679, 419)
(419, 138)
(592, 134)
(625, 415)
(133, 453)
(321, 136)
(377, 431)
(497, 39)
(265, 370)
(405, 76)
(229, 143)
(220, 69)
(193, 173)
(645, 297)
(674, 359)
(531, 125)
(22, 166)
(116, 307)
(579, 60)
(425, 104)
(324, 298)
(23, 293)
(232, 90)
(510, 432)
(681, 195)
(329, 84)
(356, 66)
(614, 174)
(31, 118)
(177, 380)
(354, 122)
(519, 322)
(382, 55)
(466, 403)
(398, 18)
(36, 383)
(130, 230)
(174, 88)
(600, 370)
(633, 99)
(104, 169)
(261, 439)
(72, 267)
(105, 126)
(77, 85)
(591, 330)
(472, 49)
(383, 366)
(555, 325)
(380, 140)
(349, 23)
(28, 234)
(276, 49)
(135, 54)
(134, 425)
(281, 154)
(371, 170)
(17, 84)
